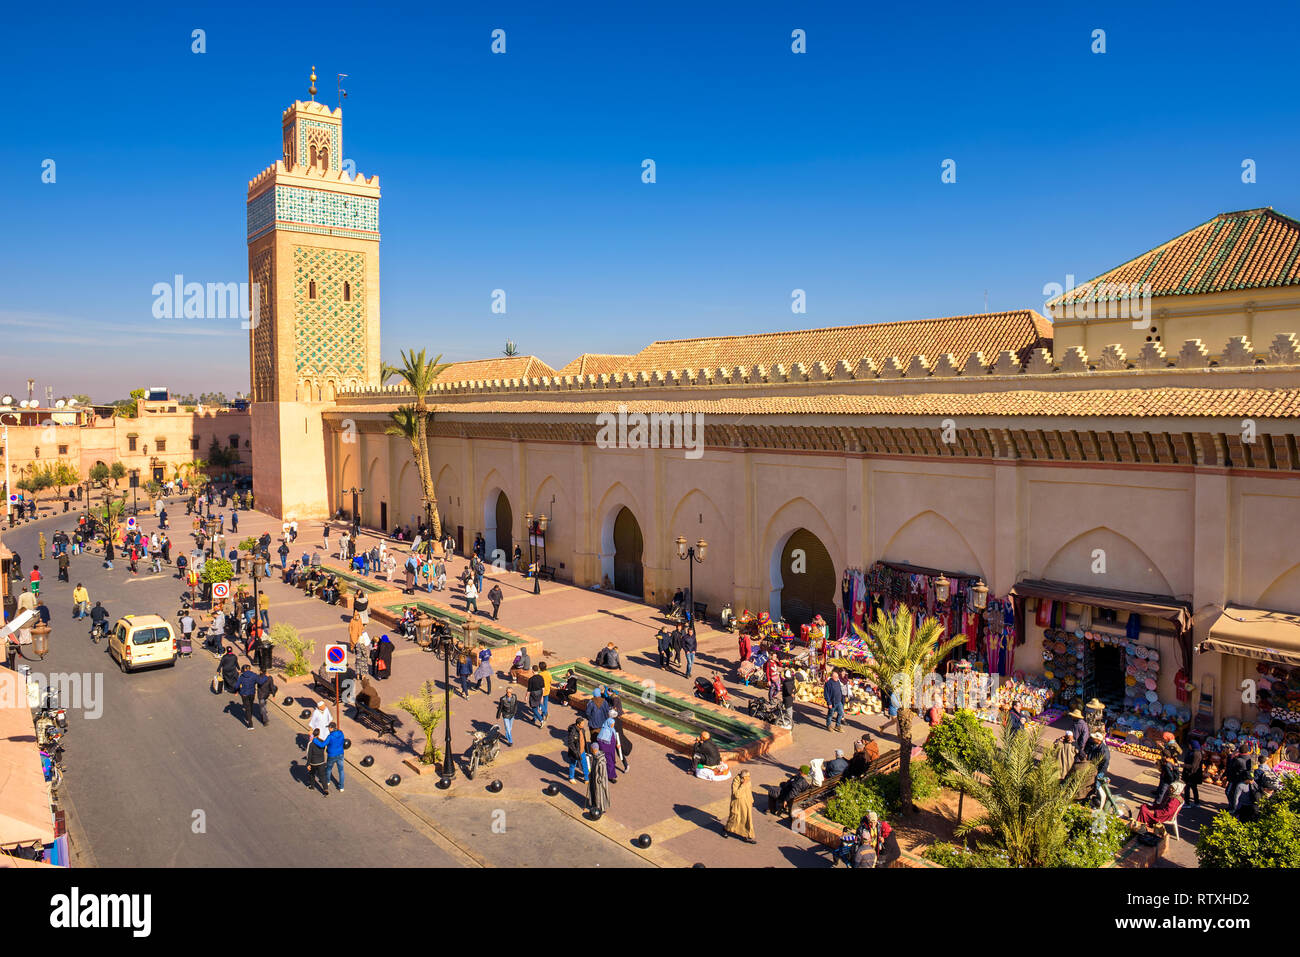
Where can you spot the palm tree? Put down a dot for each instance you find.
(899, 659)
(419, 374)
(1024, 799)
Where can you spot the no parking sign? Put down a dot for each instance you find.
(336, 659)
(221, 590)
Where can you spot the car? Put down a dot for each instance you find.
(140, 641)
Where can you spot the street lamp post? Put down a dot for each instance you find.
(438, 634)
(692, 554)
(536, 529)
(135, 483)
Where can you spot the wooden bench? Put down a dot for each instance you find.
(546, 571)
(885, 764)
(374, 719)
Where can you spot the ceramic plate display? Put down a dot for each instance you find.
(1150, 683)
(1152, 696)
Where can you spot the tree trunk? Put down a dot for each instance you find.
(426, 475)
(905, 759)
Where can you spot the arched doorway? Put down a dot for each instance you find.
(628, 545)
(805, 575)
(505, 522)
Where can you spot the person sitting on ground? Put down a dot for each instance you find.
(607, 657)
(706, 751)
(836, 765)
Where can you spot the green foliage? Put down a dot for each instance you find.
(129, 408)
(950, 855)
(248, 545)
(879, 793)
(99, 473)
(216, 570)
(960, 733)
(426, 711)
(511, 349)
(1272, 840)
(1024, 800)
(1093, 838)
(153, 489)
(218, 456)
(299, 649)
(117, 471)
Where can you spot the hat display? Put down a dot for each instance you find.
(1074, 712)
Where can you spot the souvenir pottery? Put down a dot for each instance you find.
(1152, 696)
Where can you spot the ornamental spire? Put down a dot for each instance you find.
(312, 88)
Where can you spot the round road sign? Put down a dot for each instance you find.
(221, 590)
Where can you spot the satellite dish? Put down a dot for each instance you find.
(34, 403)
(22, 404)
(61, 403)
(6, 400)
(71, 403)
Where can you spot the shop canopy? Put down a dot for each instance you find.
(1156, 606)
(24, 797)
(1256, 633)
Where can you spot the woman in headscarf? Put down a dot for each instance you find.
(740, 816)
(355, 628)
(1193, 774)
(598, 783)
(384, 658)
(1065, 755)
(363, 653)
(605, 739)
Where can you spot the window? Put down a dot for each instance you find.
(160, 445)
(194, 443)
(130, 443)
(234, 441)
(311, 289)
(347, 292)
(63, 450)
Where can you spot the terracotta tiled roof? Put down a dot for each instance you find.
(1250, 249)
(504, 367)
(1147, 403)
(596, 363)
(990, 333)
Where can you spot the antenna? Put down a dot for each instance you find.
(343, 94)
(31, 385)
(986, 300)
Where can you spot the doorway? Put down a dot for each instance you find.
(628, 546)
(505, 522)
(383, 516)
(807, 579)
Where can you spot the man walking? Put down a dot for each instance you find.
(471, 596)
(496, 597)
(80, 601)
(247, 688)
(507, 708)
(320, 720)
(688, 642)
(333, 742)
(834, 694)
(234, 522)
(537, 695)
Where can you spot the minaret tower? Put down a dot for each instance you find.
(313, 259)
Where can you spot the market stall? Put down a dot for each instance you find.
(1125, 651)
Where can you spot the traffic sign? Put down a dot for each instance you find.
(221, 590)
(130, 523)
(336, 659)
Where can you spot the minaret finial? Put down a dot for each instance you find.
(312, 88)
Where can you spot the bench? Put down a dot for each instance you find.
(701, 612)
(546, 571)
(885, 764)
(374, 719)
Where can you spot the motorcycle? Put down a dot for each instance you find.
(771, 712)
(98, 630)
(705, 689)
(484, 748)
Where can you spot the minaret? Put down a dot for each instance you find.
(313, 254)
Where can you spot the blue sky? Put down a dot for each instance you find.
(522, 171)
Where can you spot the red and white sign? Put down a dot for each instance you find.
(221, 590)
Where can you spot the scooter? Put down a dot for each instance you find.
(484, 748)
(98, 630)
(704, 689)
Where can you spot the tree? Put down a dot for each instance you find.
(1271, 840)
(511, 349)
(419, 374)
(423, 707)
(129, 408)
(899, 659)
(118, 471)
(217, 455)
(99, 473)
(300, 649)
(63, 474)
(81, 399)
(1024, 799)
(111, 514)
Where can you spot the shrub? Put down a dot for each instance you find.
(216, 570)
(950, 855)
(424, 708)
(300, 649)
(1092, 838)
(961, 735)
(1271, 840)
(879, 793)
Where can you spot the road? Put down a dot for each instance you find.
(168, 776)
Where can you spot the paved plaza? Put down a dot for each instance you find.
(167, 751)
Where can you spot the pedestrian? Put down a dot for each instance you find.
(334, 744)
(361, 606)
(246, 685)
(266, 688)
(1065, 755)
(833, 691)
(264, 608)
(63, 566)
(1193, 774)
(316, 765)
(228, 668)
(325, 536)
(788, 687)
(412, 566)
(484, 670)
(664, 640)
(471, 597)
(384, 658)
(740, 815)
(234, 521)
(363, 654)
(577, 741)
(688, 642)
(80, 601)
(495, 596)
(355, 628)
(507, 707)
(606, 738)
(464, 668)
(536, 695)
(1079, 730)
(597, 710)
(320, 720)
(597, 783)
